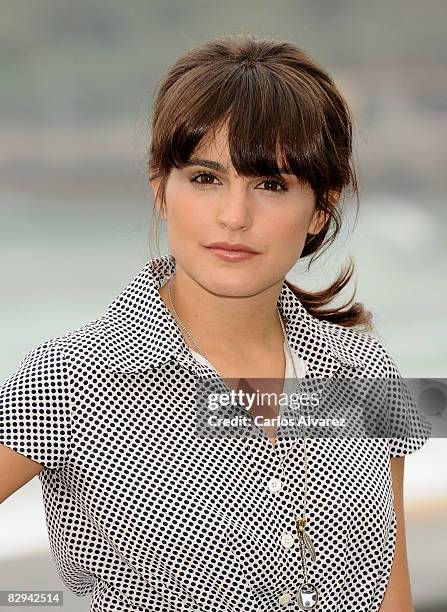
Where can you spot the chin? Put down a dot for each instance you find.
(226, 284)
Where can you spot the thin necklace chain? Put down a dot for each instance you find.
(199, 350)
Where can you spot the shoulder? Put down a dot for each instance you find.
(83, 344)
(367, 350)
(54, 359)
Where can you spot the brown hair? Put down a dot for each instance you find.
(273, 97)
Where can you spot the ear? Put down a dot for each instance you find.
(155, 185)
(319, 218)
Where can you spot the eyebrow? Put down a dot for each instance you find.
(213, 165)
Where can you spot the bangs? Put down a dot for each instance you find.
(277, 118)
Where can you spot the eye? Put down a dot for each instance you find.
(283, 187)
(275, 182)
(201, 183)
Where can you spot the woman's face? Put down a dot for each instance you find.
(205, 205)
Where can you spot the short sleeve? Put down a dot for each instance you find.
(35, 407)
(408, 428)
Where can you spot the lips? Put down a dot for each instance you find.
(232, 252)
(228, 246)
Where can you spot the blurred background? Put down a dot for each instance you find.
(78, 80)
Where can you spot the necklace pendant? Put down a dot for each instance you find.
(300, 523)
(304, 536)
(307, 596)
(309, 545)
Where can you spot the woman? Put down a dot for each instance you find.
(151, 508)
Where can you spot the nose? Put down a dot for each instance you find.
(234, 212)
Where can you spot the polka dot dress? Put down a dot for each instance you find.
(145, 515)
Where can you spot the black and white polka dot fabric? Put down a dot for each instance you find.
(146, 516)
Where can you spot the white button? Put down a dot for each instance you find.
(285, 599)
(287, 539)
(274, 484)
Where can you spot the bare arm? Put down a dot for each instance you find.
(15, 471)
(398, 594)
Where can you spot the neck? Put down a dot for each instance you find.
(221, 324)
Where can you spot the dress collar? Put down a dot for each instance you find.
(140, 333)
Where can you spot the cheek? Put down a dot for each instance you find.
(291, 227)
(186, 218)
(178, 207)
